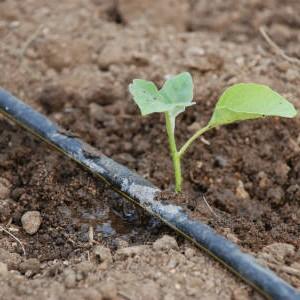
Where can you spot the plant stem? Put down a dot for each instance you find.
(174, 153)
(192, 138)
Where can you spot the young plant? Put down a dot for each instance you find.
(239, 102)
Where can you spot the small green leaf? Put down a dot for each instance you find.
(250, 101)
(147, 97)
(176, 94)
(178, 89)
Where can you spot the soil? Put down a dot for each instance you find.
(73, 61)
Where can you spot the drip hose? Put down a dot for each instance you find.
(143, 193)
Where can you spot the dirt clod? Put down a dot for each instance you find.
(102, 254)
(280, 250)
(4, 188)
(165, 243)
(30, 266)
(3, 269)
(69, 277)
(156, 13)
(12, 260)
(124, 253)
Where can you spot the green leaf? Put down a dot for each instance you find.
(147, 97)
(176, 94)
(250, 101)
(178, 89)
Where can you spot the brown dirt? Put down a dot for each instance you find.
(73, 62)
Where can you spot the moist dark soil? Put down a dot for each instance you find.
(73, 61)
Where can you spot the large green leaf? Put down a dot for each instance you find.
(176, 94)
(250, 101)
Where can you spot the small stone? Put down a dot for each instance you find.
(169, 297)
(69, 278)
(240, 191)
(283, 66)
(281, 33)
(292, 75)
(12, 260)
(130, 251)
(293, 192)
(112, 55)
(194, 127)
(264, 181)
(3, 269)
(194, 51)
(232, 237)
(17, 193)
(4, 188)
(120, 243)
(155, 13)
(280, 250)
(5, 210)
(189, 252)
(32, 265)
(240, 294)
(60, 53)
(220, 161)
(204, 63)
(102, 254)
(291, 271)
(31, 221)
(275, 195)
(83, 269)
(52, 97)
(96, 112)
(281, 172)
(108, 291)
(165, 243)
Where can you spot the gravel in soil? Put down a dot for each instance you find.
(73, 62)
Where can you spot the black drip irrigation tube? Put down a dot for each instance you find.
(141, 192)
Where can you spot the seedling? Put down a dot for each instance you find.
(239, 102)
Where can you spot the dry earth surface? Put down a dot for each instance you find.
(73, 60)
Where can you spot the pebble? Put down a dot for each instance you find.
(3, 269)
(281, 172)
(280, 250)
(220, 161)
(31, 221)
(120, 243)
(5, 210)
(165, 243)
(194, 127)
(12, 260)
(96, 112)
(275, 195)
(157, 13)
(102, 254)
(189, 252)
(60, 53)
(130, 251)
(4, 188)
(264, 181)
(69, 278)
(83, 269)
(240, 191)
(108, 290)
(292, 75)
(32, 265)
